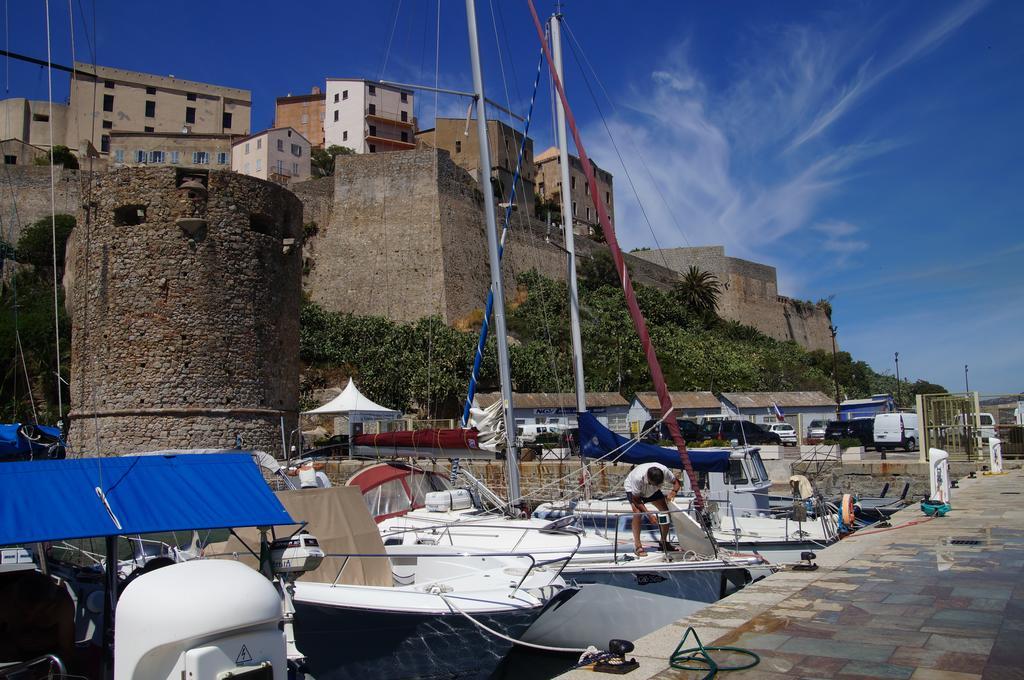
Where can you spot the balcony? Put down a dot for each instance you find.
(391, 121)
(376, 139)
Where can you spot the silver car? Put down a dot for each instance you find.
(816, 430)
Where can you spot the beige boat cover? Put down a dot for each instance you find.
(341, 523)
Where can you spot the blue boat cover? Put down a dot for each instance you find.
(14, 445)
(597, 441)
(58, 499)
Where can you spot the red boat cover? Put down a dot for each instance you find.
(437, 439)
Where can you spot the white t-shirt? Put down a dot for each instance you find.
(636, 481)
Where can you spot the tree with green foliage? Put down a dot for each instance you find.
(59, 155)
(549, 210)
(425, 365)
(322, 160)
(698, 292)
(29, 364)
(35, 245)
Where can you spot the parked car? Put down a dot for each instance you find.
(530, 431)
(786, 432)
(690, 430)
(896, 430)
(742, 431)
(861, 429)
(816, 430)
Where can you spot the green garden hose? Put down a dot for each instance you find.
(699, 655)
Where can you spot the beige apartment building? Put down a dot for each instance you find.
(107, 99)
(369, 117)
(451, 135)
(279, 154)
(28, 120)
(549, 187)
(304, 113)
(186, 150)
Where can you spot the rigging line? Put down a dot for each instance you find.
(437, 208)
(53, 217)
(484, 327)
(7, 48)
(636, 147)
(88, 36)
(387, 50)
(615, 146)
(71, 24)
(88, 250)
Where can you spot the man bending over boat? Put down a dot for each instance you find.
(643, 485)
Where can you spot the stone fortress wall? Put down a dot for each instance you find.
(750, 295)
(25, 196)
(402, 235)
(184, 306)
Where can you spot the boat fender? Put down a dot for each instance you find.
(847, 508)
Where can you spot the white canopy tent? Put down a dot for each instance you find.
(356, 408)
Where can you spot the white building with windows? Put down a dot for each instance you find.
(368, 117)
(279, 154)
(184, 149)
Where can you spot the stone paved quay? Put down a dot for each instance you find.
(939, 599)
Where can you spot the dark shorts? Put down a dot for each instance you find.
(656, 496)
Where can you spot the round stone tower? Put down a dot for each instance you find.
(184, 289)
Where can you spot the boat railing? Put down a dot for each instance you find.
(446, 532)
(825, 515)
(50, 663)
(534, 564)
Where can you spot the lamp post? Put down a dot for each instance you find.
(835, 367)
(967, 385)
(897, 380)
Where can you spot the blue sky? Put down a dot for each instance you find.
(871, 151)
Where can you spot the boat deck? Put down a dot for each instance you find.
(928, 599)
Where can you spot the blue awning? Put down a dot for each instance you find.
(58, 499)
(597, 441)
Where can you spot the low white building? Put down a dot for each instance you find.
(646, 406)
(368, 117)
(558, 409)
(279, 154)
(798, 408)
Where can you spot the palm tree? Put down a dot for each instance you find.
(698, 291)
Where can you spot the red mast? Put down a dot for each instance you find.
(620, 265)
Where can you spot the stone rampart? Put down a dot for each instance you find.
(404, 238)
(402, 235)
(750, 295)
(25, 195)
(184, 310)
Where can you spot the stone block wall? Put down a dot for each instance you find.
(25, 195)
(750, 295)
(403, 236)
(185, 334)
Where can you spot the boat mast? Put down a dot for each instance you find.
(497, 286)
(567, 220)
(657, 377)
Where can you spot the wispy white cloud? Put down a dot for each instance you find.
(839, 239)
(873, 71)
(729, 165)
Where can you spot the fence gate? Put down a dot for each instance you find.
(951, 422)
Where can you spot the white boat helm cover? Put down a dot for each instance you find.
(203, 608)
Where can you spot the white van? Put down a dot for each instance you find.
(986, 420)
(896, 430)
